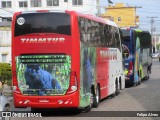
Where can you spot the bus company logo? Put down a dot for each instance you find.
(20, 21)
(43, 40)
(108, 55)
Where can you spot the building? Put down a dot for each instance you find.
(84, 6)
(123, 16)
(5, 15)
(5, 36)
(8, 7)
(5, 43)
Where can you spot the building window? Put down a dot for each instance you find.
(7, 19)
(23, 4)
(77, 2)
(6, 4)
(36, 3)
(4, 58)
(52, 2)
(119, 19)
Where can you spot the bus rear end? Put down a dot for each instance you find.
(44, 69)
(128, 56)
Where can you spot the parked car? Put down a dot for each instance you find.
(4, 103)
(155, 55)
(4, 106)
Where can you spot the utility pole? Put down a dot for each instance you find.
(135, 14)
(153, 29)
(98, 8)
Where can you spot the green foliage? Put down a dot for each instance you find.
(158, 46)
(5, 73)
(58, 69)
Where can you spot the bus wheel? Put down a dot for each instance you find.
(148, 75)
(139, 81)
(117, 88)
(135, 84)
(96, 98)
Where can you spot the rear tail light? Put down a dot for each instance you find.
(130, 68)
(73, 86)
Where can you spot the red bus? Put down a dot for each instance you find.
(64, 59)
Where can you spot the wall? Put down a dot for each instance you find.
(127, 15)
(5, 45)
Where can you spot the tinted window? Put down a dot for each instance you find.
(145, 39)
(125, 35)
(97, 34)
(43, 23)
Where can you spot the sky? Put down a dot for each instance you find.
(150, 8)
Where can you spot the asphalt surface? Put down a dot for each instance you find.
(145, 97)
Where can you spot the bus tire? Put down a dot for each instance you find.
(148, 75)
(120, 84)
(117, 89)
(96, 98)
(135, 84)
(139, 81)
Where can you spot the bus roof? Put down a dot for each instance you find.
(135, 29)
(88, 16)
(94, 18)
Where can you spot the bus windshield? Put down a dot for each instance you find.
(43, 23)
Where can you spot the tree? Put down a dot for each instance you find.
(5, 73)
(158, 46)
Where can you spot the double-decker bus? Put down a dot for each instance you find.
(64, 59)
(137, 55)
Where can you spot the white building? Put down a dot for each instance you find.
(8, 7)
(84, 6)
(5, 45)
